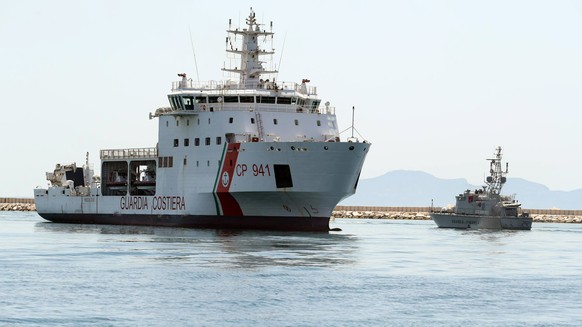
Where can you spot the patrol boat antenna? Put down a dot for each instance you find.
(497, 178)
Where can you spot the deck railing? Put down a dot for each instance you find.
(226, 87)
(129, 153)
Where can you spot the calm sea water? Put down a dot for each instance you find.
(373, 273)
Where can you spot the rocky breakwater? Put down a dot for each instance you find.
(381, 215)
(422, 215)
(17, 207)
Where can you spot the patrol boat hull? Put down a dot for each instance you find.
(444, 220)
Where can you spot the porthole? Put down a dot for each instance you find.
(351, 147)
(326, 147)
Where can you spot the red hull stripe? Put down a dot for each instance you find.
(228, 203)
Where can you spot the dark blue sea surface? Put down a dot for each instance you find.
(373, 273)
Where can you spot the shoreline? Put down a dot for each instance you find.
(353, 212)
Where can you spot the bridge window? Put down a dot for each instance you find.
(212, 99)
(315, 104)
(231, 99)
(267, 99)
(283, 100)
(188, 103)
(200, 99)
(247, 99)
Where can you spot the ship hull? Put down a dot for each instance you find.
(312, 224)
(444, 220)
(242, 192)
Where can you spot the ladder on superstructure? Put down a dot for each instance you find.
(259, 125)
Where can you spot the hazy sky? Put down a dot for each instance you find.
(437, 85)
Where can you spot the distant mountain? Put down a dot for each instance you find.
(416, 189)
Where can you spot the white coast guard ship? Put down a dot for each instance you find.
(485, 208)
(252, 153)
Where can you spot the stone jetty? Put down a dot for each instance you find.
(422, 213)
(396, 213)
(17, 204)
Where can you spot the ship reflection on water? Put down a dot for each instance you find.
(246, 249)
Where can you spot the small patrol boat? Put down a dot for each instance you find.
(485, 208)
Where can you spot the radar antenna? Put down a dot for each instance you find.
(497, 176)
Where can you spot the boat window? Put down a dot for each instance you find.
(231, 99)
(267, 99)
(212, 99)
(275, 121)
(187, 122)
(293, 100)
(170, 162)
(283, 100)
(230, 120)
(200, 99)
(319, 123)
(186, 142)
(247, 99)
(188, 103)
(178, 103)
(173, 102)
(207, 141)
(197, 141)
(296, 122)
(218, 140)
(176, 142)
(252, 120)
(163, 162)
(315, 104)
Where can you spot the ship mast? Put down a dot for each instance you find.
(497, 178)
(251, 67)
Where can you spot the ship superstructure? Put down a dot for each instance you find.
(248, 153)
